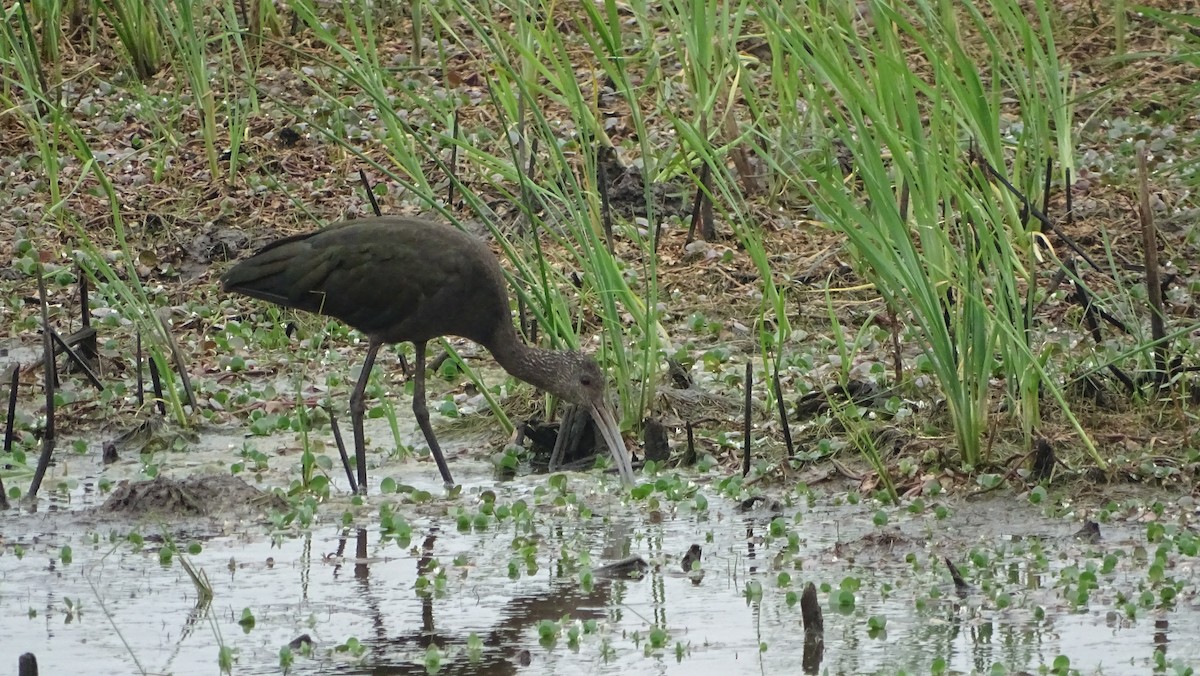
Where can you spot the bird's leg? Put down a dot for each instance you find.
(358, 407)
(422, 414)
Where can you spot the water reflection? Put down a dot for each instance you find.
(499, 582)
(504, 650)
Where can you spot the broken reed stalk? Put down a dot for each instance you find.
(531, 167)
(689, 454)
(1070, 213)
(141, 385)
(180, 363)
(48, 369)
(707, 229)
(361, 554)
(27, 665)
(702, 209)
(746, 424)
(814, 630)
(66, 346)
(1029, 210)
(78, 358)
(1092, 322)
(522, 316)
(366, 183)
(158, 391)
(89, 346)
(8, 430)
(810, 611)
(1046, 190)
(897, 359)
(341, 446)
(960, 585)
(14, 383)
(783, 417)
(1153, 282)
(453, 168)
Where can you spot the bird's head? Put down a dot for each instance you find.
(578, 379)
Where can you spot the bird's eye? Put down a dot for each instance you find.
(586, 381)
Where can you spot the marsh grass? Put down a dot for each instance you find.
(926, 225)
(887, 124)
(137, 25)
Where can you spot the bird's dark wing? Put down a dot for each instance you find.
(385, 277)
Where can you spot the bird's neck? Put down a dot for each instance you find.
(538, 367)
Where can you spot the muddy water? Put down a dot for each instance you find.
(116, 609)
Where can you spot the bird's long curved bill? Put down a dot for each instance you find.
(607, 424)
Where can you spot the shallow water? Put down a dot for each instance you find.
(135, 614)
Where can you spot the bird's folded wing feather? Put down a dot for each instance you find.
(370, 280)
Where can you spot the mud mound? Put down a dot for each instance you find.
(204, 495)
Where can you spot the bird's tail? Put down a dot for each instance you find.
(281, 272)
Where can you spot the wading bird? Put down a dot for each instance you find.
(409, 280)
